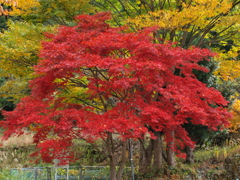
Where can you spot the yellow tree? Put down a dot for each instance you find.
(20, 6)
(228, 50)
(235, 121)
(190, 22)
(49, 11)
(21, 42)
(19, 47)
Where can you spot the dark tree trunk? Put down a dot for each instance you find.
(113, 159)
(123, 160)
(113, 172)
(151, 157)
(158, 153)
(170, 151)
(145, 159)
(190, 156)
(112, 163)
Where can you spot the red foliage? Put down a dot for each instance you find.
(132, 88)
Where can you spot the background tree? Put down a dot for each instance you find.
(6, 102)
(235, 121)
(19, 49)
(50, 12)
(188, 23)
(21, 41)
(127, 86)
(18, 7)
(57, 12)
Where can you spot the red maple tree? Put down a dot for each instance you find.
(128, 85)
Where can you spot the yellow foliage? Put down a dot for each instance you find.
(229, 63)
(197, 13)
(14, 89)
(19, 47)
(229, 66)
(10, 2)
(60, 11)
(24, 7)
(21, 6)
(75, 87)
(192, 23)
(47, 9)
(21, 42)
(235, 121)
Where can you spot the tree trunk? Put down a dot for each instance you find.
(170, 150)
(145, 157)
(123, 160)
(112, 163)
(158, 153)
(113, 172)
(189, 153)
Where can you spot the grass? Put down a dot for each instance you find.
(217, 153)
(6, 175)
(16, 150)
(209, 162)
(14, 141)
